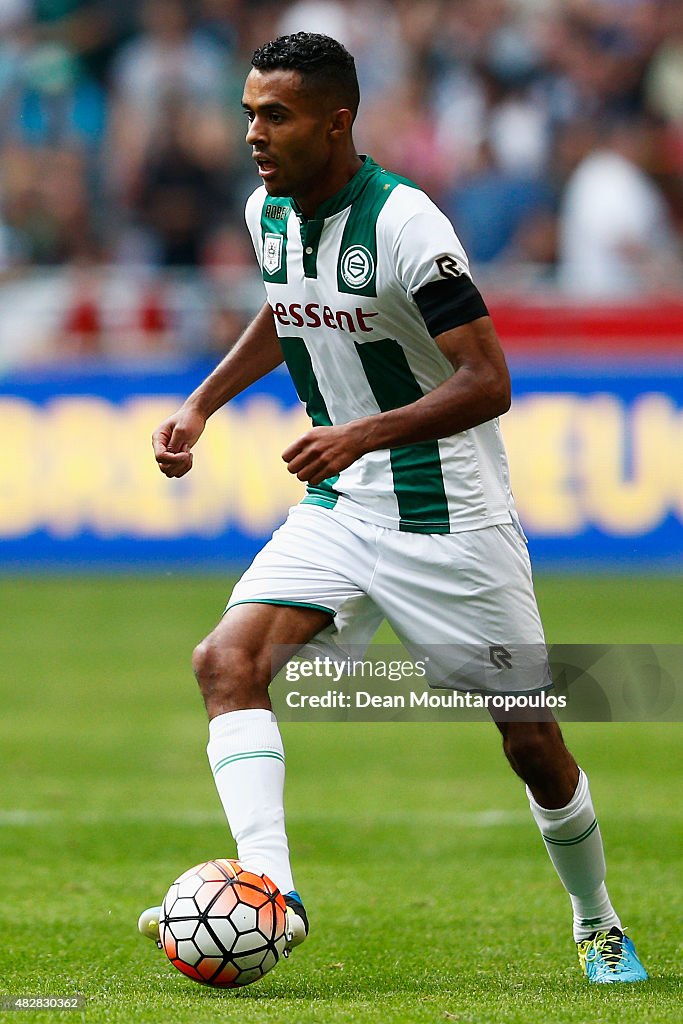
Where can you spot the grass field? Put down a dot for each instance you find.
(429, 889)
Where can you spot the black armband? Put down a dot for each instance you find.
(450, 303)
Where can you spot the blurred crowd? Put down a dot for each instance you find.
(550, 131)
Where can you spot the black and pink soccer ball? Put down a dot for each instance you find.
(223, 926)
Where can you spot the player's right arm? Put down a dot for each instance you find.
(256, 353)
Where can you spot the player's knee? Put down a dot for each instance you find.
(226, 673)
(528, 749)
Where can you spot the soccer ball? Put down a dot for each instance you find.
(222, 925)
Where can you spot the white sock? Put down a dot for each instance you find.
(248, 763)
(572, 838)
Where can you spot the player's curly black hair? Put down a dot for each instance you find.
(323, 63)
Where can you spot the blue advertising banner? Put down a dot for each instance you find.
(596, 457)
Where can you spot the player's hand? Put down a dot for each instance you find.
(173, 440)
(323, 452)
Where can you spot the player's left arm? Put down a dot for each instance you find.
(431, 269)
(478, 390)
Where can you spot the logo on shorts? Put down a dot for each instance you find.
(357, 266)
(500, 657)
(272, 252)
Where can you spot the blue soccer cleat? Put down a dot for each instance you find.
(610, 956)
(297, 921)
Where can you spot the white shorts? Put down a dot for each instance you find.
(451, 597)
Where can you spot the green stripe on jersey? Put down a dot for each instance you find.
(416, 468)
(322, 494)
(311, 232)
(274, 216)
(357, 262)
(299, 364)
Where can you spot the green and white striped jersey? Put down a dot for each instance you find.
(342, 290)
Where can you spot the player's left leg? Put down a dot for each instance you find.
(562, 808)
(463, 597)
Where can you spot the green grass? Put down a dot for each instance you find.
(426, 906)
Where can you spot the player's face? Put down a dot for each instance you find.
(289, 132)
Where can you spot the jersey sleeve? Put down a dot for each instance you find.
(434, 272)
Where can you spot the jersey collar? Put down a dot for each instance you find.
(346, 196)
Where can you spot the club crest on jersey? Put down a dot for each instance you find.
(357, 266)
(272, 252)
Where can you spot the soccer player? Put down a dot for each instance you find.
(408, 512)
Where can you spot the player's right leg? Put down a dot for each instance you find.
(305, 589)
(234, 666)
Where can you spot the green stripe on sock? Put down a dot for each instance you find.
(248, 755)
(577, 839)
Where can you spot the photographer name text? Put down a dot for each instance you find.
(362, 699)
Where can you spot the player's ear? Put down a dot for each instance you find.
(341, 122)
